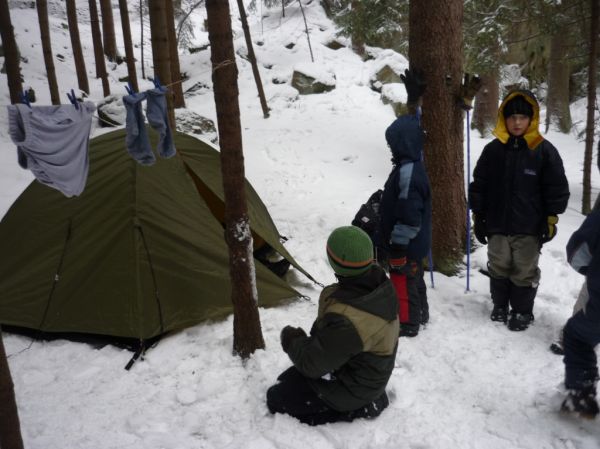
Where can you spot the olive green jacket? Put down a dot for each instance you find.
(350, 353)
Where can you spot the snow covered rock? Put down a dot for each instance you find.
(312, 79)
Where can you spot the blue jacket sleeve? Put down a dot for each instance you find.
(409, 206)
(584, 244)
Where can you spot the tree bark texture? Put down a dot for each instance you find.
(247, 334)
(108, 30)
(485, 111)
(11, 54)
(10, 428)
(591, 108)
(42, 11)
(177, 88)
(358, 28)
(82, 78)
(435, 47)
(160, 52)
(558, 113)
(98, 48)
(131, 72)
(252, 57)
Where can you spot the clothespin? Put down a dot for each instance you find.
(25, 98)
(157, 84)
(73, 99)
(130, 90)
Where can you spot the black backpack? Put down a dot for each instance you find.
(367, 218)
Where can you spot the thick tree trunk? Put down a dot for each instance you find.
(131, 72)
(42, 11)
(160, 52)
(98, 48)
(558, 113)
(485, 111)
(11, 54)
(108, 30)
(10, 428)
(252, 57)
(591, 109)
(82, 78)
(435, 43)
(358, 28)
(178, 100)
(247, 334)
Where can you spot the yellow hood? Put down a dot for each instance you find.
(532, 135)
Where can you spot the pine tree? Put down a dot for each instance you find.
(82, 79)
(11, 54)
(108, 30)
(98, 48)
(42, 11)
(435, 48)
(247, 334)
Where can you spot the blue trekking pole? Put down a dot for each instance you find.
(468, 205)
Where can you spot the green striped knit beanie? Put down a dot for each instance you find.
(350, 251)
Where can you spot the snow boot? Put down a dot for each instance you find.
(557, 347)
(582, 402)
(371, 410)
(519, 321)
(408, 331)
(499, 313)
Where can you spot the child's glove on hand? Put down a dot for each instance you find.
(414, 83)
(397, 260)
(468, 90)
(549, 230)
(288, 334)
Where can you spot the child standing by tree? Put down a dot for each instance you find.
(519, 188)
(405, 226)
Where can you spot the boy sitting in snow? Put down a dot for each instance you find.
(582, 331)
(342, 368)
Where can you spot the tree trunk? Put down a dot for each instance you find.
(252, 57)
(11, 54)
(10, 429)
(591, 109)
(131, 72)
(108, 30)
(177, 88)
(160, 52)
(485, 111)
(98, 49)
(82, 78)
(557, 100)
(247, 334)
(42, 11)
(358, 28)
(435, 42)
(142, 38)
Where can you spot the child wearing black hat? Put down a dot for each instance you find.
(341, 369)
(519, 187)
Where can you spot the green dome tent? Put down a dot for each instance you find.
(141, 252)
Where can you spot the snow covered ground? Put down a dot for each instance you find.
(464, 382)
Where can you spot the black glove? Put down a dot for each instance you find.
(397, 259)
(468, 89)
(549, 229)
(288, 334)
(414, 83)
(480, 229)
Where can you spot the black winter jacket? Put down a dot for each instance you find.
(518, 182)
(349, 356)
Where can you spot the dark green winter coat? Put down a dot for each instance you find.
(350, 353)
